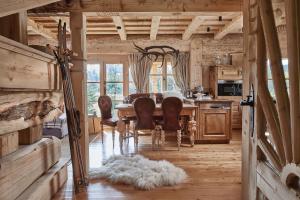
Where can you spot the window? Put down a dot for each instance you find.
(114, 83)
(161, 78)
(156, 78)
(270, 80)
(171, 85)
(93, 88)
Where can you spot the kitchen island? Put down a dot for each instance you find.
(214, 121)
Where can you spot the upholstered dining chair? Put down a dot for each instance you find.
(171, 107)
(158, 96)
(105, 105)
(144, 108)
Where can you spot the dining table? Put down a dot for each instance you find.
(126, 111)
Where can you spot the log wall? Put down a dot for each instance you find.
(203, 49)
(30, 87)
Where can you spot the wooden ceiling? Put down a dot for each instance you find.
(149, 18)
(217, 23)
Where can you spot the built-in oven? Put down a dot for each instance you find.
(230, 87)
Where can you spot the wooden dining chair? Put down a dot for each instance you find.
(144, 108)
(105, 105)
(171, 107)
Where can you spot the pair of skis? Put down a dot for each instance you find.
(62, 54)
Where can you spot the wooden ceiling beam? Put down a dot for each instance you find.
(120, 27)
(8, 7)
(235, 24)
(41, 30)
(193, 26)
(148, 6)
(154, 27)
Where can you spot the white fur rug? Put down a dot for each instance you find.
(140, 171)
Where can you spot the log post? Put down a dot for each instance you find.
(282, 98)
(293, 47)
(261, 107)
(78, 41)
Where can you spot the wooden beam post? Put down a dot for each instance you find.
(154, 27)
(262, 92)
(235, 24)
(120, 27)
(245, 131)
(293, 48)
(283, 104)
(15, 27)
(78, 41)
(193, 26)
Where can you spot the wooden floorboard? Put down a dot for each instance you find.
(214, 171)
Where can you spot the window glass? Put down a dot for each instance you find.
(114, 84)
(93, 89)
(171, 85)
(270, 79)
(155, 84)
(93, 73)
(114, 73)
(156, 68)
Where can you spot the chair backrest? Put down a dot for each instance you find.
(144, 108)
(171, 107)
(105, 105)
(133, 97)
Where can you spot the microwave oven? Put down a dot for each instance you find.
(230, 87)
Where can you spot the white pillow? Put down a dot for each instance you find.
(173, 94)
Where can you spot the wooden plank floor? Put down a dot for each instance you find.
(214, 171)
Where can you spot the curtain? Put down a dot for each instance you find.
(182, 71)
(140, 70)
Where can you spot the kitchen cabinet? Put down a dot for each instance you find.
(229, 73)
(213, 121)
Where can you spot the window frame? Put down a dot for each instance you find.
(164, 75)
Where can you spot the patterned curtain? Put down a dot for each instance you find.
(182, 71)
(140, 70)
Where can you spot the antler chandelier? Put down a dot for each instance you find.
(158, 52)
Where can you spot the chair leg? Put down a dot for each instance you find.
(178, 139)
(192, 138)
(102, 133)
(121, 141)
(153, 133)
(163, 137)
(113, 136)
(136, 139)
(158, 134)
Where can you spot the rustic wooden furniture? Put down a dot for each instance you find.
(105, 105)
(213, 121)
(144, 108)
(132, 97)
(127, 110)
(172, 107)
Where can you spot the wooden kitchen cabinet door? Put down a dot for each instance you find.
(215, 125)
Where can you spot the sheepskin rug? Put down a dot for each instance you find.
(139, 171)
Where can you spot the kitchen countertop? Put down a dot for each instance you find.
(210, 100)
